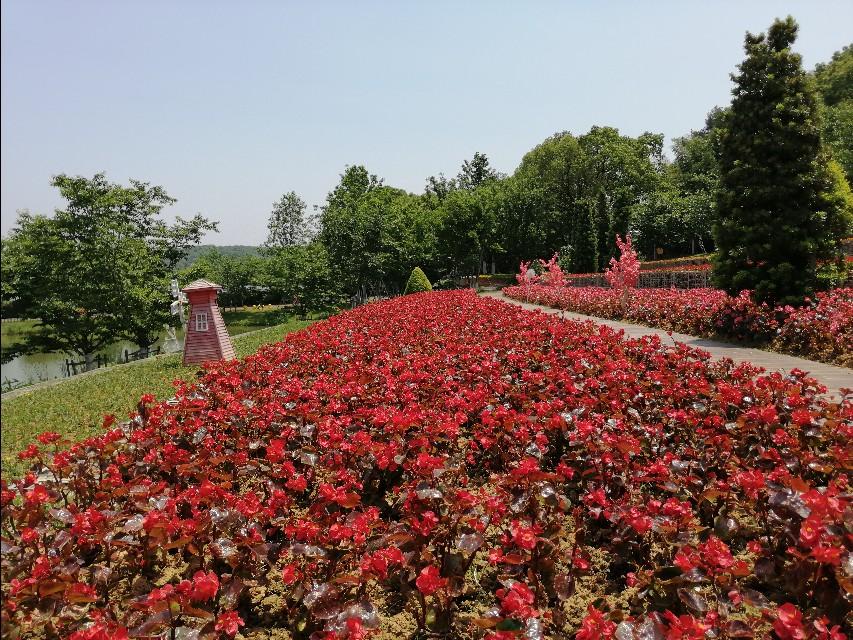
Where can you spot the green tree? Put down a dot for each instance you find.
(771, 230)
(418, 282)
(475, 172)
(287, 223)
(560, 168)
(302, 275)
(626, 171)
(524, 222)
(99, 269)
(834, 79)
(242, 278)
(468, 229)
(582, 252)
(437, 189)
(376, 233)
(834, 82)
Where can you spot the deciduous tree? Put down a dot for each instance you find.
(98, 270)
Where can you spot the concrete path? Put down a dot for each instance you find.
(835, 378)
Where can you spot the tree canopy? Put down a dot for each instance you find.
(98, 269)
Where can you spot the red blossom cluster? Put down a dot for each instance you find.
(821, 329)
(624, 273)
(454, 464)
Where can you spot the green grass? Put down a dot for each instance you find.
(264, 316)
(15, 332)
(75, 407)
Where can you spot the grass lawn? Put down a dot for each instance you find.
(75, 407)
(266, 315)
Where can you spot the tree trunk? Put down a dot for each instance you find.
(90, 362)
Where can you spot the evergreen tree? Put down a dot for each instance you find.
(768, 231)
(583, 257)
(602, 230)
(418, 282)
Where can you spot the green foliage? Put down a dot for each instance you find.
(559, 168)
(525, 225)
(99, 269)
(834, 79)
(468, 228)
(241, 277)
(838, 134)
(231, 250)
(582, 254)
(418, 282)
(593, 187)
(437, 189)
(375, 233)
(626, 171)
(303, 276)
(287, 225)
(476, 172)
(771, 229)
(75, 407)
(834, 82)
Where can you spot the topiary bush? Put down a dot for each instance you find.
(418, 282)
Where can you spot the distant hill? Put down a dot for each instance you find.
(233, 250)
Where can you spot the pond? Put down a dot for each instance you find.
(36, 367)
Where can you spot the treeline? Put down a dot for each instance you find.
(765, 183)
(571, 194)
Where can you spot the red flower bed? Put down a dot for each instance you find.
(821, 330)
(448, 463)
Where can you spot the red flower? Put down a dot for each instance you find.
(289, 574)
(716, 554)
(205, 586)
(429, 581)
(517, 600)
(595, 626)
(789, 623)
(229, 623)
(751, 482)
(684, 627)
(32, 451)
(524, 536)
(48, 437)
(810, 531)
(827, 555)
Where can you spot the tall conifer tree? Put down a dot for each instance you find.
(769, 232)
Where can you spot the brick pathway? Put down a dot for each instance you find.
(835, 378)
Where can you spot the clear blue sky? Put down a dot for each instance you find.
(229, 105)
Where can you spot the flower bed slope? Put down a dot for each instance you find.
(449, 464)
(821, 330)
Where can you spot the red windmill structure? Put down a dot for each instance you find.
(207, 337)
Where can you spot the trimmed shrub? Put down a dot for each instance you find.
(418, 282)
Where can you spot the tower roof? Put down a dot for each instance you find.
(201, 285)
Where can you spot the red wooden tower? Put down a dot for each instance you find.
(207, 338)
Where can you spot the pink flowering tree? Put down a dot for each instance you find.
(526, 277)
(553, 275)
(624, 274)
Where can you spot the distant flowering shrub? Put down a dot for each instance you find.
(552, 274)
(821, 330)
(624, 273)
(444, 465)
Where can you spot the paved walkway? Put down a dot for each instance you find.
(835, 378)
